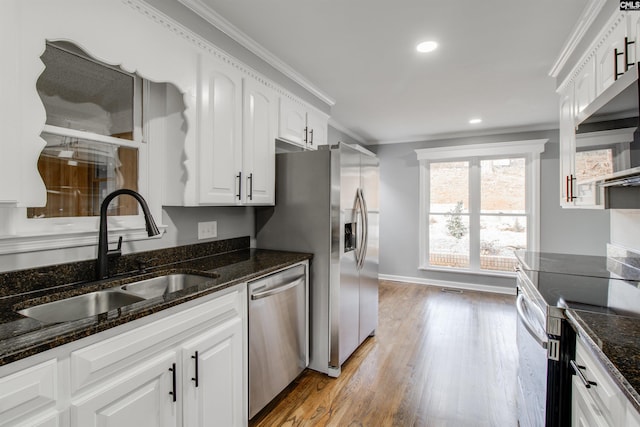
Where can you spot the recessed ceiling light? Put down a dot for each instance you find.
(425, 47)
(475, 121)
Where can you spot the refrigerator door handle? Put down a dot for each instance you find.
(365, 228)
(360, 221)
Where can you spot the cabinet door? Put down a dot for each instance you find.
(219, 133)
(606, 58)
(584, 411)
(317, 125)
(28, 392)
(293, 121)
(213, 377)
(567, 147)
(259, 141)
(138, 398)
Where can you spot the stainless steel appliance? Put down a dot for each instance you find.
(278, 334)
(327, 204)
(548, 285)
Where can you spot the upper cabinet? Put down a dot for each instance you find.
(207, 122)
(260, 122)
(302, 125)
(219, 131)
(599, 113)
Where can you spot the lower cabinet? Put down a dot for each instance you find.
(186, 368)
(139, 397)
(596, 399)
(212, 377)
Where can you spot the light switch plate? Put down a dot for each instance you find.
(207, 230)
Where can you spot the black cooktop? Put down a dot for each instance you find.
(580, 282)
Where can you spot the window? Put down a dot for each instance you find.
(93, 134)
(478, 205)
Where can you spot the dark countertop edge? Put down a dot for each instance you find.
(88, 327)
(592, 341)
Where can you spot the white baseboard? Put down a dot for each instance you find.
(450, 284)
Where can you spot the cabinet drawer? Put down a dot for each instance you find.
(28, 391)
(607, 396)
(98, 361)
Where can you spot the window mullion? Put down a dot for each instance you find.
(474, 214)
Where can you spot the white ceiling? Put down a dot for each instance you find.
(493, 59)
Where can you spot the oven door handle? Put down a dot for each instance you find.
(540, 339)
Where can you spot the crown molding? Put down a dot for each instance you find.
(587, 17)
(215, 19)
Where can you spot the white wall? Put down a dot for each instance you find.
(562, 230)
(625, 228)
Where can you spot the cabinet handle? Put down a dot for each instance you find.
(569, 188)
(250, 178)
(173, 371)
(311, 132)
(195, 379)
(239, 176)
(616, 74)
(578, 370)
(306, 129)
(627, 64)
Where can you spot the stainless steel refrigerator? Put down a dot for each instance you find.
(327, 204)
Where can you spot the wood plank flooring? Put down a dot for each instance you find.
(438, 359)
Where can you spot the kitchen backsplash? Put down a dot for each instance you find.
(29, 280)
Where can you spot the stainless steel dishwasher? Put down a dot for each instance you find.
(278, 333)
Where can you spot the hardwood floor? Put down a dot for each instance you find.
(438, 359)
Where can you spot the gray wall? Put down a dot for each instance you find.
(561, 230)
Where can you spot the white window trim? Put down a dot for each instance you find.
(530, 149)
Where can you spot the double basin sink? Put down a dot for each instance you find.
(98, 302)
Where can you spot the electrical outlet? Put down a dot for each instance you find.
(207, 230)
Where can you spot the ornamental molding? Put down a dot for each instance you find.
(202, 44)
(617, 19)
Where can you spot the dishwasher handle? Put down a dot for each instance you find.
(277, 290)
(541, 340)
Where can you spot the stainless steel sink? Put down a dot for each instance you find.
(162, 285)
(81, 306)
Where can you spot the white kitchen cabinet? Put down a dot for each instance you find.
(138, 398)
(567, 147)
(585, 91)
(260, 117)
(605, 55)
(125, 376)
(236, 131)
(29, 395)
(212, 377)
(219, 133)
(632, 416)
(302, 125)
(134, 371)
(602, 403)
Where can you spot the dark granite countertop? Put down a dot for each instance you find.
(615, 341)
(21, 337)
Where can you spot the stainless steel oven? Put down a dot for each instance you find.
(532, 343)
(546, 344)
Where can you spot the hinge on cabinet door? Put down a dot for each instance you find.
(553, 349)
